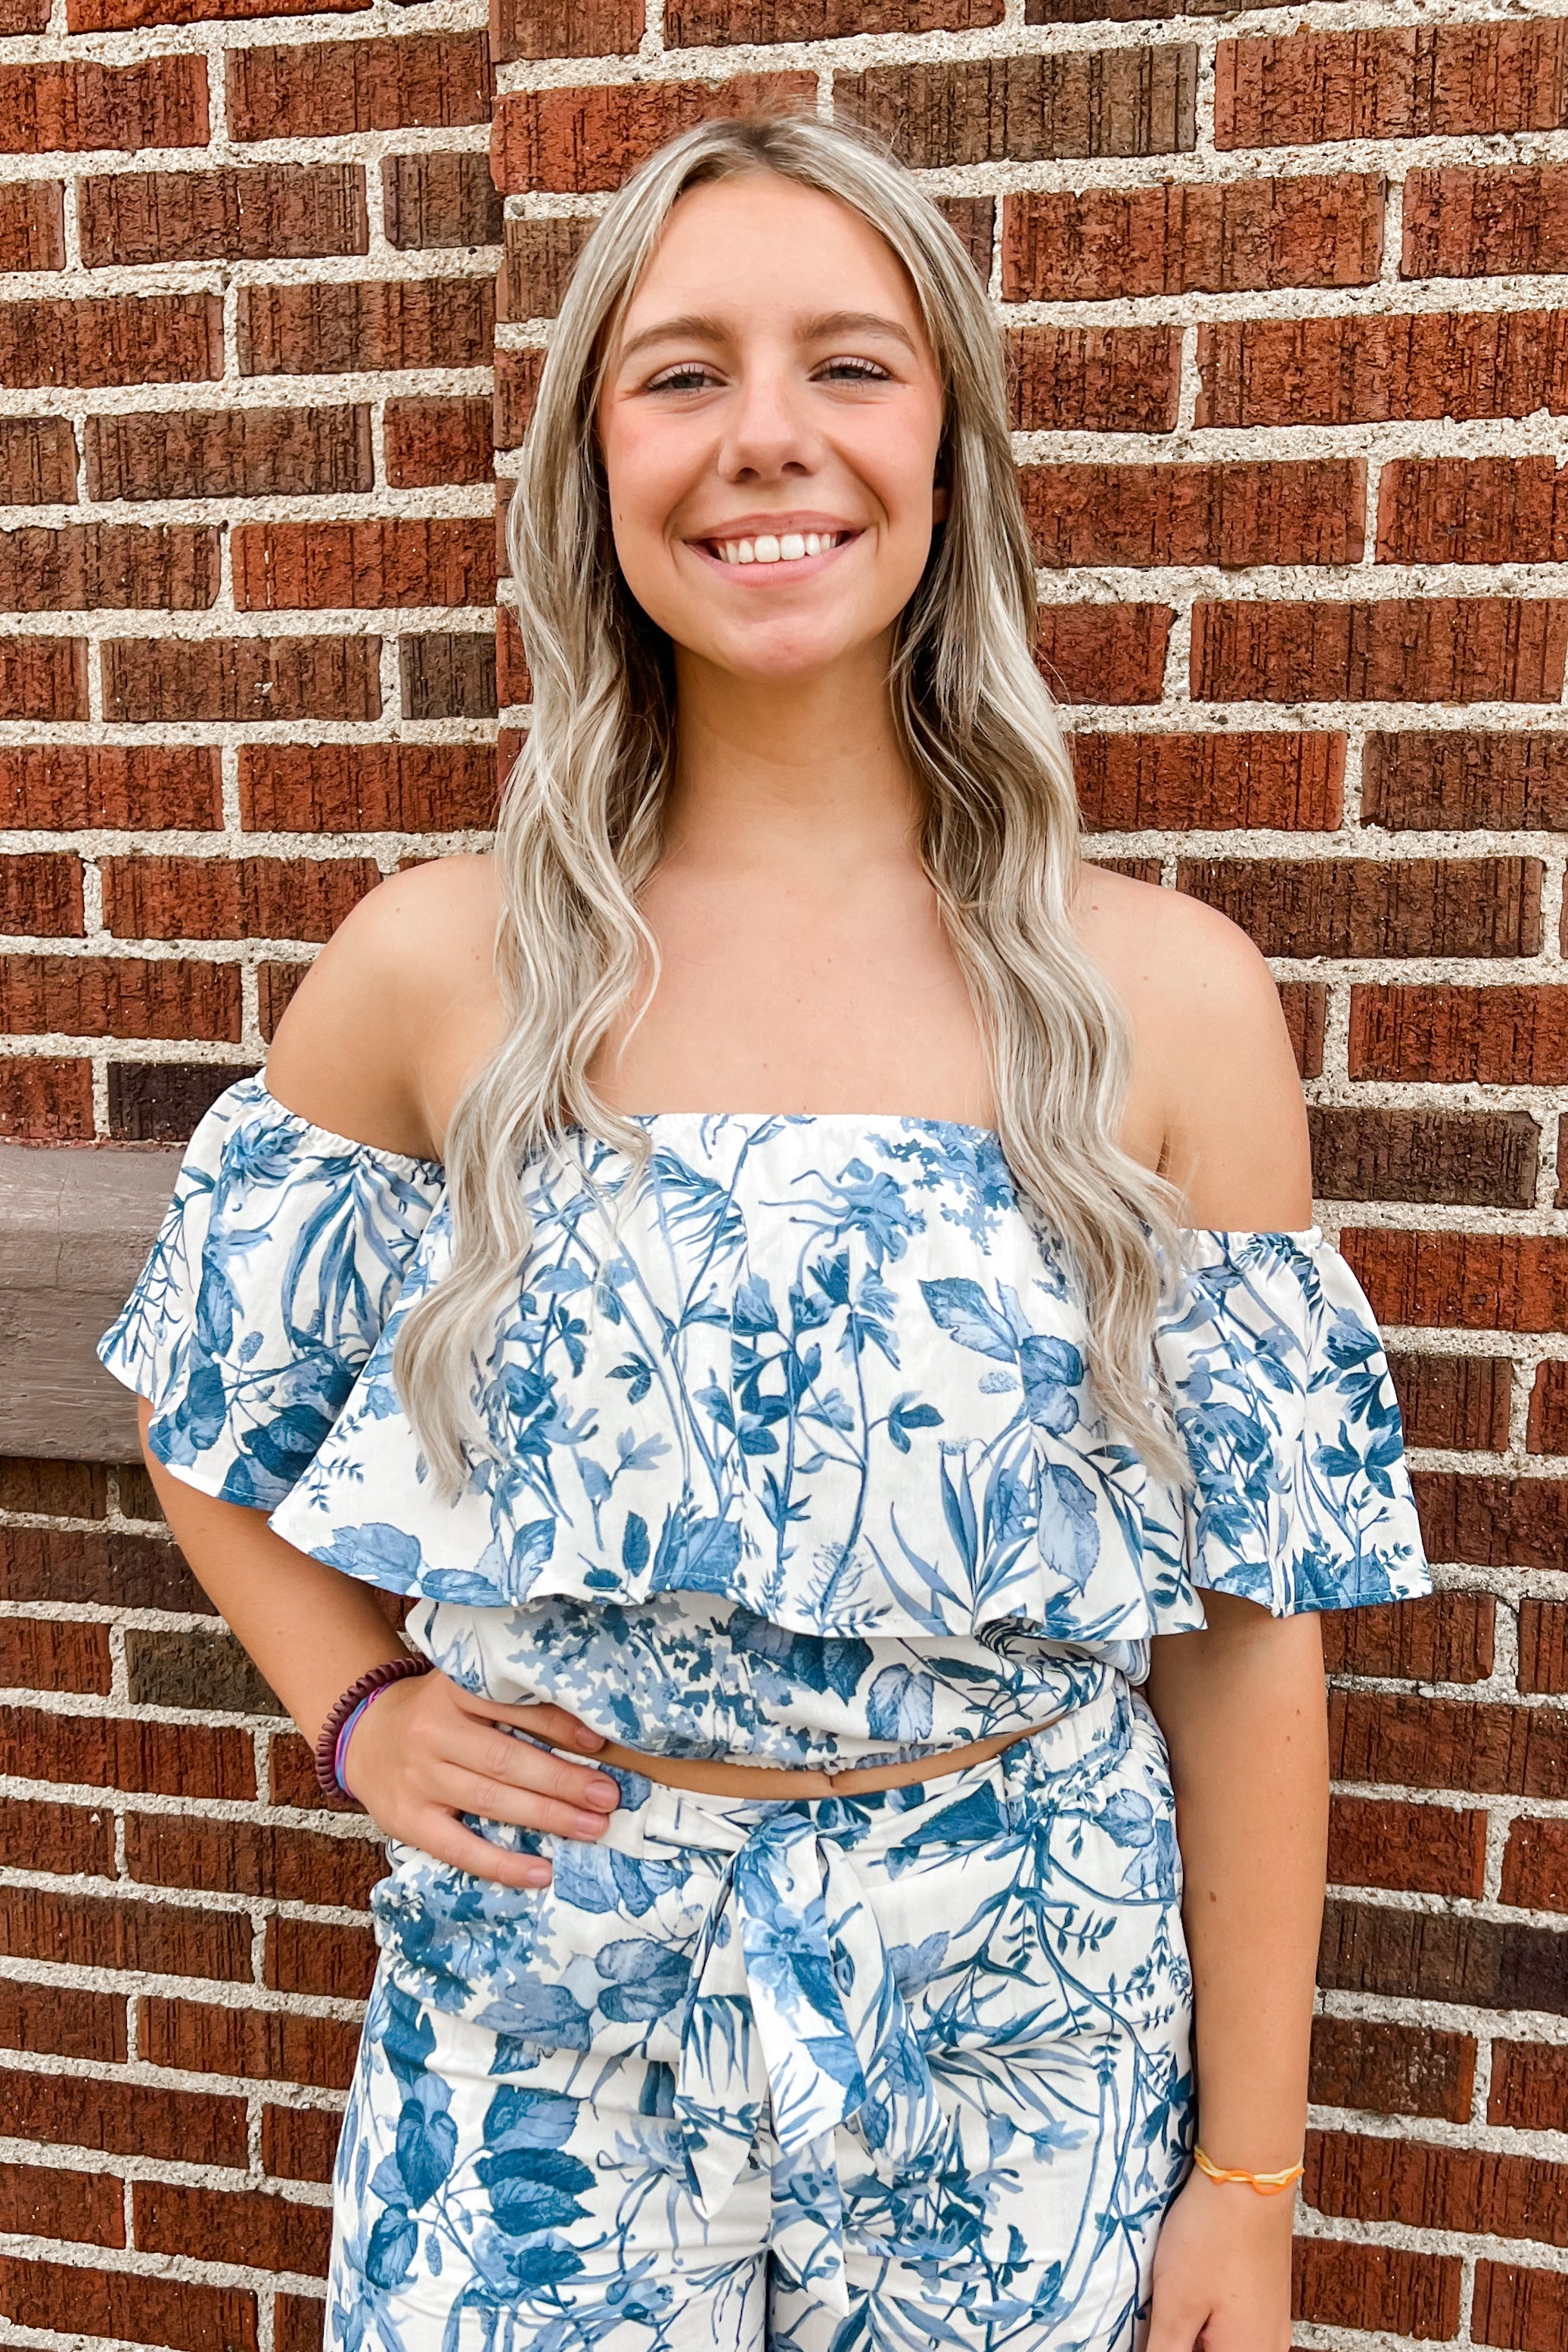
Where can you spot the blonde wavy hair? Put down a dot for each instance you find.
(580, 825)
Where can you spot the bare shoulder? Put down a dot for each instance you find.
(406, 984)
(1214, 1069)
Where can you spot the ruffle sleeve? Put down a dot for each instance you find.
(1300, 1498)
(281, 1256)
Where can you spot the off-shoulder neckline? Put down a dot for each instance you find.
(1304, 1237)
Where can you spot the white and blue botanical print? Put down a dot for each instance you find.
(891, 2070)
(824, 1368)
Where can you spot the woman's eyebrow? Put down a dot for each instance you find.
(691, 328)
(854, 322)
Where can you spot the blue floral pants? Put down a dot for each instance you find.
(891, 2071)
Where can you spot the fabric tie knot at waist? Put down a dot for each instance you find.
(794, 2017)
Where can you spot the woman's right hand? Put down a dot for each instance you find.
(429, 1750)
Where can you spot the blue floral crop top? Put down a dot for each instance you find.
(794, 1451)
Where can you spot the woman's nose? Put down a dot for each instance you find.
(767, 431)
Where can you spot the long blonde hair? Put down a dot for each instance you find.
(580, 829)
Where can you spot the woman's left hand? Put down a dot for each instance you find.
(1222, 2270)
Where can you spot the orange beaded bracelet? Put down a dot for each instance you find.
(1267, 2184)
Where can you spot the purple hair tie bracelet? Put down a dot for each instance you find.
(345, 1715)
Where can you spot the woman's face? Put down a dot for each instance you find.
(769, 426)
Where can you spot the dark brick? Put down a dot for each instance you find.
(1459, 1401)
(229, 452)
(161, 679)
(161, 1102)
(117, 339)
(1392, 2070)
(1485, 1160)
(1095, 379)
(437, 201)
(132, 218)
(1022, 109)
(450, 674)
(204, 1671)
(1422, 907)
(1440, 1956)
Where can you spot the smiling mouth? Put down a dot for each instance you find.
(786, 547)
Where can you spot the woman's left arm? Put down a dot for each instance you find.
(1243, 1712)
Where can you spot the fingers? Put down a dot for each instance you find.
(545, 1721)
(501, 1801)
(495, 1756)
(439, 1835)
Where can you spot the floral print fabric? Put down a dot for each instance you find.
(826, 1369)
(929, 2049)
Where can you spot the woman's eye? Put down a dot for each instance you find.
(690, 376)
(852, 371)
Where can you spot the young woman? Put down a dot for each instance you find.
(812, 1291)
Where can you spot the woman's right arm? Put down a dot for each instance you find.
(427, 1750)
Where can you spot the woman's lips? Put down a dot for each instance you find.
(757, 556)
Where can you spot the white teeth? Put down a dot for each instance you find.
(766, 549)
(746, 552)
(791, 547)
(788, 547)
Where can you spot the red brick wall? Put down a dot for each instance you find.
(1292, 358)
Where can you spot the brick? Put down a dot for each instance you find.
(113, 996)
(513, 684)
(1376, 2179)
(47, 2201)
(1544, 1645)
(431, 441)
(1487, 1159)
(517, 388)
(110, 567)
(573, 28)
(130, 2304)
(229, 452)
(588, 139)
(67, 787)
(289, 566)
(1245, 237)
(32, 225)
(1022, 109)
(249, 1858)
(1472, 511)
(109, 1932)
(106, 1566)
(1392, 2070)
(300, 2143)
(1468, 223)
(112, 1752)
(1494, 1522)
(1457, 1402)
(41, 894)
(69, 1490)
(263, 2045)
(1369, 371)
(723, 23)
(1535, 1865)
(60, 2021)
(157, 678)
(43, 678)
(1304, 1004)
(1445, 1035)
(1292, 783)
(1226, 514)
(220, 898)
(366, 787)
(1445, 1637)
(276, 984)
(303, 1956)
(450, 674)
(207, 1672)
(1396, 649)
(160, 103)
(1549, 1408)
(23, 16)
(1420, 907)
(315, 90)
(275, 210)
(324, 328)
(1337, 2283)
(161, 1102)
(38, 461)
(438, 201)
(1462, 780)
(1524, 2309)
(1425, 1849)
(1103, 653)
(137, 1498)
(972, 220)
(40, 1653)
(1470, 1282)
(1529, 2085)
(536, 265)
(270, 2232)
(44, 1099)
(1481, 1747)
(1443, 1956)
(36, 1835)
(297, 2323)
(127, 15)
(1408, 82)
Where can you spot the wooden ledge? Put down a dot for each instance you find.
(75, 1226)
